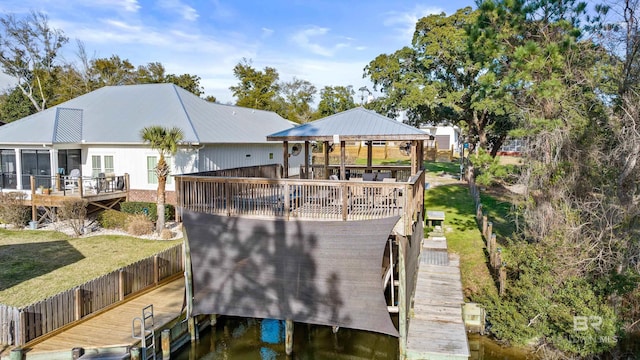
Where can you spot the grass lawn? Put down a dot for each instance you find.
(37, 264)
(463, 235)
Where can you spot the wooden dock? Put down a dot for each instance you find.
(436, 330)
(112, 328)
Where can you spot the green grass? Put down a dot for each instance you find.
(446, 167)
(39, 264)
(463, 236)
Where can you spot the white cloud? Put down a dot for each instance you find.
(266, 32)
(304, 38)
(405, 22)
(186, 12)
(125, 5)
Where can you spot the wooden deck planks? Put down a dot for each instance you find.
(436, 330)
(113, 327)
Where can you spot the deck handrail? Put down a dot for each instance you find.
(299, 198)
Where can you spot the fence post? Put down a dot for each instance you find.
(156, 270)
(77, 297)
(479, 212)
(121, 285)
(484, 225)
(489, 232)
(492, 243)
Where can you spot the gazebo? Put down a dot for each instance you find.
(358, 124)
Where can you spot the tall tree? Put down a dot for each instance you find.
(257, 89)
(166, 142)
(440, 80)
(298, 95)
(28, 52)
(335, 99)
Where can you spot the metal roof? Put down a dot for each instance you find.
(354, 124)
(117, 114)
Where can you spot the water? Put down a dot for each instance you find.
(241, 338)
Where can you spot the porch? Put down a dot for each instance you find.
(50, 192)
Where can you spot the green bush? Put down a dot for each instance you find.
(112, 219)
(12, 209)
(147, 208)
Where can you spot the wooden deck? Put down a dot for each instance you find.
(436, 331)
(113, 327)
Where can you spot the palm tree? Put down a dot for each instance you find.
(166, 142)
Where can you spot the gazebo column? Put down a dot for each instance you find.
(414, 157)
(343, 172)
(325, 148)
(306, 159)
(369, 155)
(420, 154)
(285, 159)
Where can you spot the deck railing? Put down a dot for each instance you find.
(21, 325)
(81, 185)
(398, 172)
(299, 199)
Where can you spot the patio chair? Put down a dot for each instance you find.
(71, 181)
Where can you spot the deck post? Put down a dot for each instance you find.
(34, 212)
(343, 172)
(126, 185)
(285, 159)
(325, 149)
(288, 329)
(135, 353)
(306, 159)
(165, 341)
(191, 321)
(16, 354)
(403, 313)
(369, 155)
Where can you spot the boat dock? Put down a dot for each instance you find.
(436, 329)
(110, 331)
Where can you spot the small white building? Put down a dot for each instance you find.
(100, 132)
(446, 136)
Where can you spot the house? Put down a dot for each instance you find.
(447, 137)
(99, 132)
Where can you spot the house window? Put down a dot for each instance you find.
(152, 162)
(96, 166)
(108, 164)
(8, 178)
(38, 164)
(68, 160)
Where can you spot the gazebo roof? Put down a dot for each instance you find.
(358, 124)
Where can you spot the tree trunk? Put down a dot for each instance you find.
(162, 181)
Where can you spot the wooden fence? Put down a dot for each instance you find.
(497, 266)
(21, 325)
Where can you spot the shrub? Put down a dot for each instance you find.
(147, 208)
(139, 224)
(12, 209)
(112, 219)
(166, 234)
(75, 212)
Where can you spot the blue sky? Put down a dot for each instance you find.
(327, 42)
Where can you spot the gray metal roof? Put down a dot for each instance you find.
(354, 124)
(117, 114)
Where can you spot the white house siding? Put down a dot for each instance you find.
(133, 160)
(227, 156)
